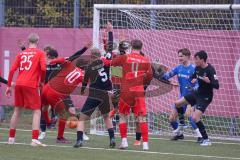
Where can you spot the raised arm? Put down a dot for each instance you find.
(80, 52)
(110, 41)
(58, 60)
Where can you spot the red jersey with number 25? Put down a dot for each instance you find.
(32, 68)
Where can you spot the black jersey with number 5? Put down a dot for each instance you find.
(98, 74)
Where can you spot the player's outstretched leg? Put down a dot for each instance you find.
(138, 134)
(35, 128)
(176, 129)
(61, 128)
(123, 131)
(144, 131)
(188, 114)
(196, 117)
(109, 126)
(80, 129)
(181, 112)
(13, 124)
(194, 126)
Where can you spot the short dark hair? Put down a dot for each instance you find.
(123, 46)
(136, 44)
(185, 52)
(52, 53)
(47, 48)
(201, 55)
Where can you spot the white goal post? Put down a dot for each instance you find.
(164, 29)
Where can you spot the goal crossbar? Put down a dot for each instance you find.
(171, 7)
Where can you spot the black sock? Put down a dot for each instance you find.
(111, 133)
(79, 135)
(181, 115)
(114, 124)
(138, 136)
(53, 115)
(43, 125)
(202, 130)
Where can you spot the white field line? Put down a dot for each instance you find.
(156, 138)
(135, 151)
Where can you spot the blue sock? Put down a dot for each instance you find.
(174, 125)
(193, 124)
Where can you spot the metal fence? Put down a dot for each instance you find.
(68, 13)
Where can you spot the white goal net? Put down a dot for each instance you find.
(164, 29)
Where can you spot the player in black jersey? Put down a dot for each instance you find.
(205, 74)
(97, 72)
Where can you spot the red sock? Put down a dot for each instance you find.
(35, 134)
(46, 117)
(61, 127)
(12, 133)
(144, 131)
(123, 130)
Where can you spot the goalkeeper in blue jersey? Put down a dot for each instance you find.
(183, 71)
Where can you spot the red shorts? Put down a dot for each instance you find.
(27, 97)
(52, 98)
(139, 108)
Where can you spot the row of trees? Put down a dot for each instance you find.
(60, 13)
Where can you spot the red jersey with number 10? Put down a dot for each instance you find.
(67, 79)
(32, 68)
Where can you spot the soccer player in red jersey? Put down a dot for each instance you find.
(32, 68)
(123, 48)
(63, 82)
(137, 72)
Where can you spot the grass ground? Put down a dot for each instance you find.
(97, 148)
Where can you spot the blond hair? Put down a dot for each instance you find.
(33, 38)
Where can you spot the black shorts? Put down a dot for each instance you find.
(201, 102)
(102, 102)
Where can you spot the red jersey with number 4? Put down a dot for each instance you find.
(136, 70)
(67, 79)
(32, 68)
